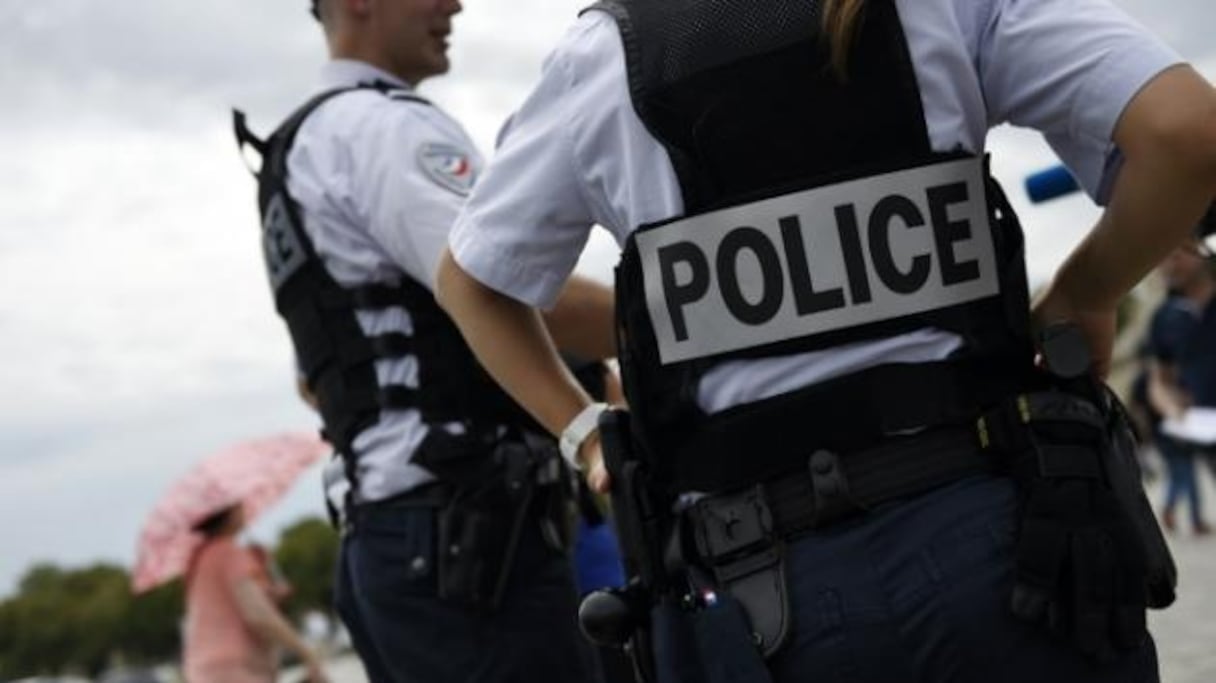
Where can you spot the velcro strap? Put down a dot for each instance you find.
(392, 345)
(377, 296)
(367, 297)
(398, 397)
(1055, 406)
(896, 469)
(353, 351)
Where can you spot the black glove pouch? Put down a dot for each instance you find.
(480, 528)
(476, 550)
(1082, 560)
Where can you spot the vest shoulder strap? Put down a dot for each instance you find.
(279, 142)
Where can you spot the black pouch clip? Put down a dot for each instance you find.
(830, 488)
(734, 537)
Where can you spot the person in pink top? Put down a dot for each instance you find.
(233, 628)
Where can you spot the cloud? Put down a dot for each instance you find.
(136, 321)
(130, 56)
(78, 490)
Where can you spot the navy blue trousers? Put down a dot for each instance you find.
(918, 591)
(387, 597)
(1183, 481)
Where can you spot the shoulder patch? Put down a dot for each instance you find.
(448, 165)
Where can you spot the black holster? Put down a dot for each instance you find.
(1090, 557)
(735, 542)
(497, 492)
(682, 621)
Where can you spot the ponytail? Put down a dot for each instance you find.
(840, 21)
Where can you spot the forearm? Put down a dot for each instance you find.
(1168, 139)
(1137, 231)
(266, 620)
(1163, 393)
(275, 628)
(582, 322)
(513, 344)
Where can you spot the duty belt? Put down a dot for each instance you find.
(834, 486)
(738, 534)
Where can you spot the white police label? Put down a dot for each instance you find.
(448, 165)
(280, 245)
(819, 260)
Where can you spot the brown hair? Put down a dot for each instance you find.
(840, 21)
(212, 525)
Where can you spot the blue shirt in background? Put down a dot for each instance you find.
(1184, 336)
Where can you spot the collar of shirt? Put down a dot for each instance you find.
(338, 73)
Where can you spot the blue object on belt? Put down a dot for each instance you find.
(597, 558)
(1050, 184)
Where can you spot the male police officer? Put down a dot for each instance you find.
(358, 190)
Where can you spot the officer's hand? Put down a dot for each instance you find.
(592, 457)
(1097, 325)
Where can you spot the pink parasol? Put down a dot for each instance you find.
(254, 473)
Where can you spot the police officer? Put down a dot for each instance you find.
(1182, 364)
(822, 293)
(454, 563)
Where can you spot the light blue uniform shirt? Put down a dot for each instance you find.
(576, 153)
(379, 183)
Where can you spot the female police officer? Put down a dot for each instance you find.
(817, 268)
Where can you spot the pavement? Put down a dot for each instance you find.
(1186, 632)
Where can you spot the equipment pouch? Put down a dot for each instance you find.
(479, 530)
(1123, 470)
(474, 553)
(1090, 557)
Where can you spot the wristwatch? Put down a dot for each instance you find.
(578, 430)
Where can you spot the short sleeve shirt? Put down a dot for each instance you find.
(379, 181)
(576, 154)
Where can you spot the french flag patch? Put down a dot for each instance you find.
(448, 165)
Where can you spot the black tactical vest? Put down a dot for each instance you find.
(780, 162)
(336, 357)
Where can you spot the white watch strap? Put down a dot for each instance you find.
(578, 430)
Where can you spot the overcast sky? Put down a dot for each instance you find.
(136, 327)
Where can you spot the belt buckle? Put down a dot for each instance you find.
(829, 488)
